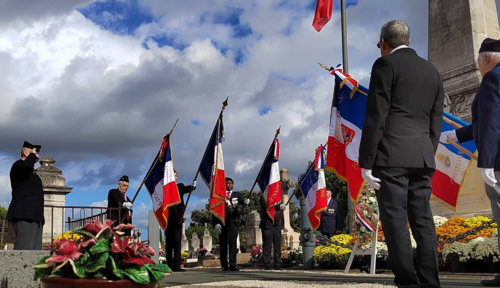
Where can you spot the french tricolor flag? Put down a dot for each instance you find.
(452, 166)
(313, 187)
(161, 184)
(212, 171)
(269, 179)
(346, 123)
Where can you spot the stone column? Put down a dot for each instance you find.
(289, 238)
(456, 31)
(184, 241)
(252, 231)
(55, 192)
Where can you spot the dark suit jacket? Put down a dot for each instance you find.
(265, 221)
(485, 127)
(404, 113)
(115, 197)
(27, 191)
(333, 218)
(232, 210)
(175, 213)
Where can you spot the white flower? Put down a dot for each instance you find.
(483, 249)
(439, 221)
(372, 199)
(462, 250)
(495, 232)
(363, 229)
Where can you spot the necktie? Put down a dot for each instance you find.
(228, 199)
(128, 212)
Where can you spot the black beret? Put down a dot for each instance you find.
(229, 179)
(490, 45)
(124, 178)
(31, 146)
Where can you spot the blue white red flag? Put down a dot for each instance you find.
(346, 123)
(452, 166)
(212, 171)
(269, 179)
(359, 214)
(161, 184)
(313, 187)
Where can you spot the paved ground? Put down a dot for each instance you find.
(207, 277)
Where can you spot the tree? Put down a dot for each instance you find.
(202, 217)
(3, 213)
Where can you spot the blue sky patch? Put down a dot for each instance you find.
(195, 122)
(165, 40)
(119, 17)
(264, 111)
(231, 17)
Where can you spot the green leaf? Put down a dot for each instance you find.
(41, 272)
(84, 233)
(137, 274)
(161, 268)
(94, 266)
(42, 261)
(112, 266)
(78, 270)
(154, 275)
(82, 259)
(100, 247)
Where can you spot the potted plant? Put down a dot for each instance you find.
(184, 257)
(102, 256)
(457, 255)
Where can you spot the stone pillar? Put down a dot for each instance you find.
(456, 31)
(55, 192)
(252, 231)
(207, 240)
(289, 238)
(308, 240)
(154, 235)
(195, 243)
(184, 240)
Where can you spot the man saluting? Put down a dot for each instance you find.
(229, 232)
(26, 208)
(116, 196)
(485, 127)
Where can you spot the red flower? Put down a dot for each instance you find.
(96, 227)
(132, 252)
(87, 244)
(123, 226)
(65, 250)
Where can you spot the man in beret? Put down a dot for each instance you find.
(173, 233)
(228, 233)
(117, 196)
(26, 207)
(485, 127)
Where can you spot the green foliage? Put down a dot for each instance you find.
(3, 213)
(201, 217)
(137, 274)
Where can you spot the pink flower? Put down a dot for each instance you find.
(96, 228)
(132, 253)
(65, 249)
(87, 244)
(123, 226)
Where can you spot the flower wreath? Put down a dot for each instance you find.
(366, 211)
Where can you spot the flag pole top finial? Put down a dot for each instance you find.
(278, 131)
(172, 130)
(224, 104)
(324, 66)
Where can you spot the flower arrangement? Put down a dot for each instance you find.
(478, 220)
(102, 252)
(486, 248)
(256, 253)
(344, 239)
(368, 206)
(456, 226)
(439, 220)
(331, 253)
(70, 236)
(295, 255)
(184, 256)
(457, 252)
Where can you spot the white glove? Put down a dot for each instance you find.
(282, 207)
(194, 184)
(218, 228)
(489, 176)
(369, 179)
(281, 231)
(128, 205)
(246, 201)
(452, 135)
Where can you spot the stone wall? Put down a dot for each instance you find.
(17, 269)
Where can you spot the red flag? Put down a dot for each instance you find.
(323, 14)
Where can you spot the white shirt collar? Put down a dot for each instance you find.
(328, 202)
(399, 47)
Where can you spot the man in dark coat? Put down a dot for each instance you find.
(404, 116)
(271, 233)
(228, 233)
(485, 127)
(173, 233)
(332, 220)
(117, 196)
(25, 211)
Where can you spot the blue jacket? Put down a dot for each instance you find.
(485, 127)
(332, 219)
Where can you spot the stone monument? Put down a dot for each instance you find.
(252, 231)
(207, 239)
(184, 239)
(456, 30)
(55, 191)
(194, 245)
(289, 238)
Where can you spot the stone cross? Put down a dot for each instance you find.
(289, 238)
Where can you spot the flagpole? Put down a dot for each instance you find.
(150, 169)
(224, 104)
(345, 61)
(260, 172)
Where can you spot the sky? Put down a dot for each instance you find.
(98, 84)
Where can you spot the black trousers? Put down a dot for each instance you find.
(271, 237)
(28, 234)
(173, 237)
(404, 196)
(228, 236)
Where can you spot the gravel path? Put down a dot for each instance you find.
(277, 284)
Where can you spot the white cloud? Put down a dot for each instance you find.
(243, 165)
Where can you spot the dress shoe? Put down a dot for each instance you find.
(277, 267)
(267, 267)
(225, 269)
(493, 283)
(233, 268)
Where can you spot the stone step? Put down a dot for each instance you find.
(241, 258)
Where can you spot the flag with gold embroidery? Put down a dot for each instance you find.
(346, 124)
